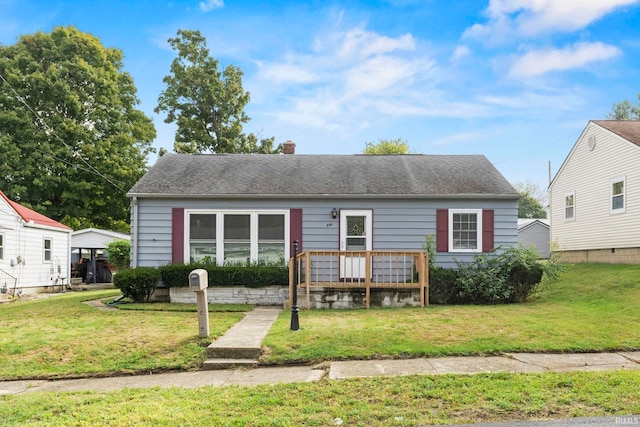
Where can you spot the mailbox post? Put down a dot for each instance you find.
(198, 282)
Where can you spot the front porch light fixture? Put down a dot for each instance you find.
(334, 213)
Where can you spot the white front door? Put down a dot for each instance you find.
(356, 231)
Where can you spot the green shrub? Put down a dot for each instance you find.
(251, 276)
(429, 246)
(483, 281)
(442, 285)
(502, 276)
(119, 253)
(137, 283)
(524, 271)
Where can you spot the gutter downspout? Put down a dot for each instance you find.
(134, 235)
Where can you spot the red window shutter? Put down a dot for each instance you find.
(177, 236)
(487, 230)
(295, 228)
(442, 230)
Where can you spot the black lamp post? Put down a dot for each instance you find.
(295, 322)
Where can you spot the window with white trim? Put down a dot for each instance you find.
(617, 195)
(569, 206)
(465, 230)
(1, 246)
(229, 237)
(47, 248)
(237, 238)
(271, 241)
(202, 234)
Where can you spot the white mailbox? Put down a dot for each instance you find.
(198, 280)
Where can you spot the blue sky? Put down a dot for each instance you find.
(515, 80)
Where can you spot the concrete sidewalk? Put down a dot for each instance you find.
(509, 363)
(245, 338)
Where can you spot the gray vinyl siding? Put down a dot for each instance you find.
(537, 235)
(398, 224)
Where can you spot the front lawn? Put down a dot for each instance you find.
(591, 308)
(384, 401)
(62, 337)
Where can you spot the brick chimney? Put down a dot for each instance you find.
(289, 147)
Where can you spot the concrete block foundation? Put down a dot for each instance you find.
(606, 256)
(323, 298)
(319, 298)
(268, 295)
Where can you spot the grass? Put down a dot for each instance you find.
(398, 401)
(61, 337)
(591, 308)
(189, 308)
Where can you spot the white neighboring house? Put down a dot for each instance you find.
(535, 232)
(595, 196)
(34, 250)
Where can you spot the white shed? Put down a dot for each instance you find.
(34, 250)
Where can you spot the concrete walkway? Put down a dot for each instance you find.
(243, 342)
(241, 345)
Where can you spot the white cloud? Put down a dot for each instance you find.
(457, 138)
(209, 5)
(286, 73)
(345, 75)
(529, 18)
(539, 62)
(538, 102)
(460, 52)
(354, 79)
(358, 43)
(382, 73)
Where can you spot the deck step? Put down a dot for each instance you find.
(215, 364)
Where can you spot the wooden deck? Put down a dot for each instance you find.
(361, 269)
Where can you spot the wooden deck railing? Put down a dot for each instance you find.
(361, 269)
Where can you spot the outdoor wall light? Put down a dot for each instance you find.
(334, 213)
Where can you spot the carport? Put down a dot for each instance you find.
(89, 255)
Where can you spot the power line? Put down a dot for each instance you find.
(48, 129)
(52, 156)
(537, 148)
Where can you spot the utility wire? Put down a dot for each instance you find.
(53, 156)
(48, 129)
(537, 148)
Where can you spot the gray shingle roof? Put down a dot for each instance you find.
(628, 129)
(247, 175)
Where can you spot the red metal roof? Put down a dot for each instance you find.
(29, 215)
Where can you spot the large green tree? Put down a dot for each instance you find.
(532, 200)
(625, 110)
(71, 139)
(386, 146)
(207, 105)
